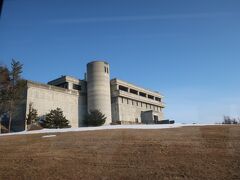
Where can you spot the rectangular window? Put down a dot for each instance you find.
(150, 97)
(123, 88)
(133, 91)
(122, 99)
(105, 69)
(137, 103)
(142, 94)
(63, 85)
(77, 87)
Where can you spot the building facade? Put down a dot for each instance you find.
(133, 104)
(120, 101)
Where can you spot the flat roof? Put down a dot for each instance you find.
(149, 91)
(51, 87)
(65, 77)
(98, 61)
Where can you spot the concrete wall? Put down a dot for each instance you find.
(147, 117)
(130, 111)
(115, 109)
(130, 108)
(46, 98)
(98, 88)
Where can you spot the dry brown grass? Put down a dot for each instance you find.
(210, 152)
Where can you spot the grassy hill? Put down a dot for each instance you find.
(201, 152)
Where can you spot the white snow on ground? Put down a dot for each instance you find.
(106, 127)
(49, 136)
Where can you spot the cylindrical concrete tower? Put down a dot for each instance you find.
(98, 88)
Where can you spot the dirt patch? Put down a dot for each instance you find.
(208, 152)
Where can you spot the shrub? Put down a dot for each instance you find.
(55, 119)
(95, 118)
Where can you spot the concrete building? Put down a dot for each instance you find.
(133, 104)
(120, 101)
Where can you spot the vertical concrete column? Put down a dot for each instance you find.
(98, 88)
(70, 85)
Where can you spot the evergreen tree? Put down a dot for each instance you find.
(95, 118)
(16, 72)
(55, 119)
(32, 116)
(11, 89)
(17, 83)
(4, 89)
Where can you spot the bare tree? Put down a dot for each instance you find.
(229, 120)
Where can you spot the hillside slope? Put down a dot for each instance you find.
(200, 152)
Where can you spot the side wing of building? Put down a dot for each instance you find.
(47, 97)
(133, 104)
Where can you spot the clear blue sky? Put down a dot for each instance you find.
(189, 50)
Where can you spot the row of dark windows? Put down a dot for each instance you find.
(141, 104)
(133, 91)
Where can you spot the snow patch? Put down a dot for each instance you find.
(49, 136)
(107, 127)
